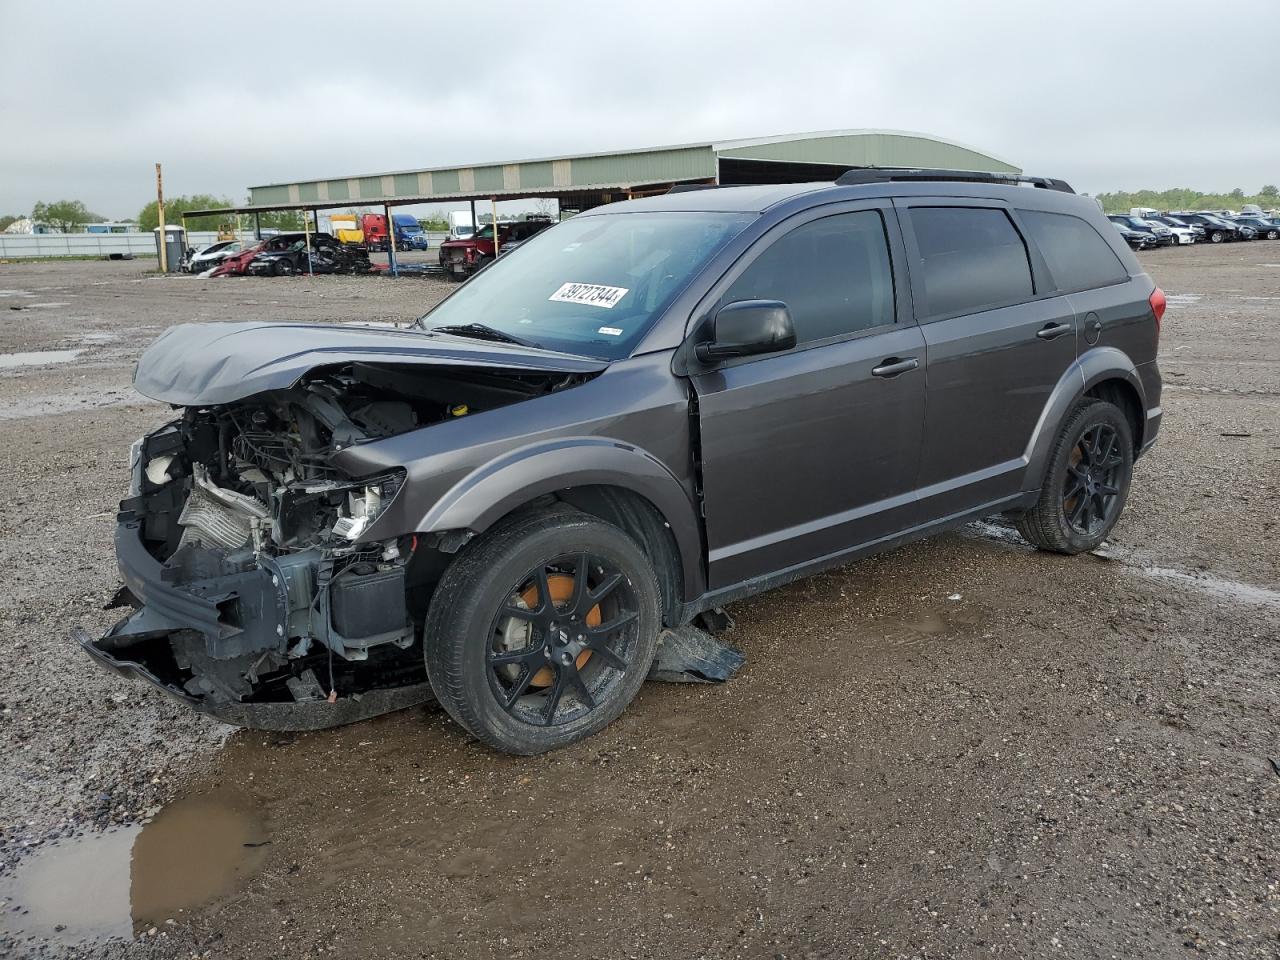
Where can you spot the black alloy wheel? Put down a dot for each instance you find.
(561, 639)
(1092, 487)
(1086, 481)
(542, 630)
(284, 267)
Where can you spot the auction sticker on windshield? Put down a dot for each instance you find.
(594, 294)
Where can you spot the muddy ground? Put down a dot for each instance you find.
(963, 748)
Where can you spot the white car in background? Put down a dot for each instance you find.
(1182, 233)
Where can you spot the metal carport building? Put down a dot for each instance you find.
(582, 181)
(586, 180)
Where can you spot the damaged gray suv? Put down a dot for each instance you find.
(648, 410)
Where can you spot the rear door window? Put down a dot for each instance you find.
(833, 274)
(970, 258)
(1078, 257)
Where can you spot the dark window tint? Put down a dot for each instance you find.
(1078, 257)
(971, 258)
(833, 274)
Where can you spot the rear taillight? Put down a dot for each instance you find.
(1158, 303)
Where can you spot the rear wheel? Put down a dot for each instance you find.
(284, 267)
(1217, 236)
(542, 631)
(1087, 481)
(1273, 234)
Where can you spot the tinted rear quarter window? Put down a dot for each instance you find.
(1076, 254)
(970, 258)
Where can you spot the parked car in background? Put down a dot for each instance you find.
(461, 258)
(238, 263)
(1137, 238)
(1163, 234)
(1182, 234)
(324, 255)
(1174, 224)
(209, 257)
(1260, 225)
(1216, 229)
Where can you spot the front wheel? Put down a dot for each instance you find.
(1217, 236)
(542, 631)
(1087, 481)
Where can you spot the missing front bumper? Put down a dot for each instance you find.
(280, 716)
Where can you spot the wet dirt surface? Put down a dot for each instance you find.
(963, 748)
(122, 882)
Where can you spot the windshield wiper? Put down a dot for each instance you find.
(482, 331)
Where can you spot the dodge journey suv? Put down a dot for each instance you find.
(645, 412)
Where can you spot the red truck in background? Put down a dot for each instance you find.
(409, 232)
(461, 258)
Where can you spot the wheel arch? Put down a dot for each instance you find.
(615, 481)
(1103, 372)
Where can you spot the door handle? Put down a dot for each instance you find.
(894, 366)
(1052, 331)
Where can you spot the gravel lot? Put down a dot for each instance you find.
(963, 748)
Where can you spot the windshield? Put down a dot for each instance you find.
(592, 285)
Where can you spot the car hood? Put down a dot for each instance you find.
(203, 364)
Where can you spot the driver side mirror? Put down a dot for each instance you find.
(747, 328)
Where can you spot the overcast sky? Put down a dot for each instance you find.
(1109, 95)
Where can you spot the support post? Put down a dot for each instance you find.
(164, 237)
(257, 225)
(306, 232)
(475, 224)
(391, 240)
(497, 244)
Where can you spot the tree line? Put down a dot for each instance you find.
(70, 216)
(1182, 198)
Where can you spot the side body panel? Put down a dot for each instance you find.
(806, 452)
(990, 376)
(628, 427)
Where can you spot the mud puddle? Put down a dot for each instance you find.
(122, 883)
(36, 358)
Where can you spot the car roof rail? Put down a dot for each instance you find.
(861, 175)
(690, 187)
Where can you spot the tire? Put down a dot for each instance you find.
(1273, 234)
(507, 665)
(1217, 236)
(1074, 515)
(284, 268)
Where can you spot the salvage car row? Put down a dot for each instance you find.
(1144, 228)
(283, 255)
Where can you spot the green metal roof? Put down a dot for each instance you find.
(622, 171)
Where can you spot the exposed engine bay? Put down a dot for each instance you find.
(241, 545)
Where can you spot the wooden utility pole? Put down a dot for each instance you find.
(164, 238)
(497, 244)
